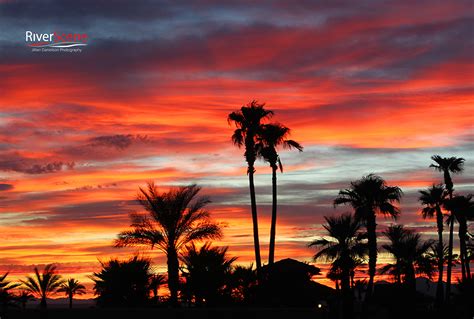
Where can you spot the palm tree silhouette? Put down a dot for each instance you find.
(175, 219)
(156, 281)
(242, 281)
(6, 296)
(206, 270)
(248, 123)
(370, 196)
(23, 297)
(272, 136)
(433, 199)
(123, 283)
(448, 165)
(344, 249)
(434, 255)
(411, 255)
(462, 209)
(334, 274)
(72, 287)
(43, 285)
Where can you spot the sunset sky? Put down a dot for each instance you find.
(365, 86)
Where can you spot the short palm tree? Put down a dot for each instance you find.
(123, 283)
(206, 270)
(272, 136)
(344, 248)
(448, 165)
(435, 256)
(369, 197)
(43, 285)
(433, 199)
(248, 122)
(72, 287)
(462, 209)
(6, 295)
(410, 253)
(242, 282)
(175, 219)
(23, 297)
(156, 281)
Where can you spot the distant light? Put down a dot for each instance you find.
(320, 305)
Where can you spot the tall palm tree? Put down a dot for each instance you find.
(344, 248)
(272, 136)
(448, 165)
(43, 285)
(206, 270)
(175, 219)
(369, 197)
(72, 287)
(433, 199)
(410, 253)
(462, 209)
(248, 122)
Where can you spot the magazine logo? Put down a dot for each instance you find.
(56, 41)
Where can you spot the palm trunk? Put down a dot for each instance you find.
(43, 303)
(155, 294)
(461, 255)
(372, 242)
(411, 279)
(352, 279)
(463, 251)
(173, 276)
(347, 304)
(399, 273)
(253, 203)
(450, 259)
(271, 254)
(70, 301)
(439, 287)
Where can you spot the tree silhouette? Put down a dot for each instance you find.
(175, 219)
(123, 283)
(448, 165)
(72, 287)
(344, 248)
(462, 209)
(248, 123)
(410, 253)
(6, 296)
(433, 199)
(242, 282)
(370, 196)
(156, 281)
(206, 270)
(270, 137)
(23, 297)
(43, 285)
(334, 274)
